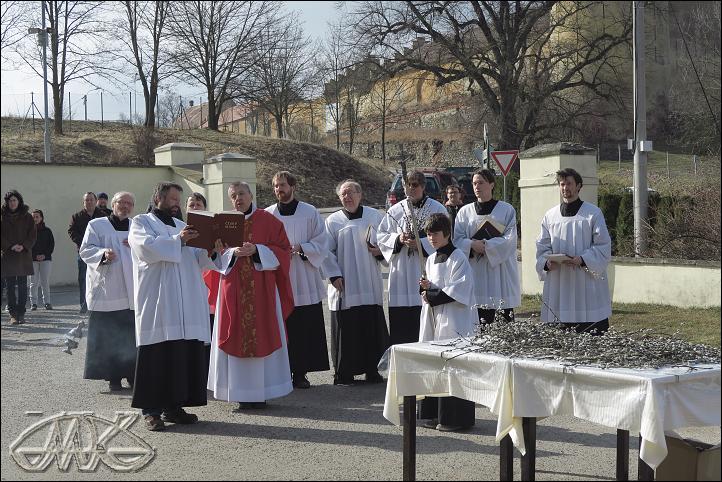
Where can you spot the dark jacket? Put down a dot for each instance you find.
(45, 242)
(79, 223)
(17, 228)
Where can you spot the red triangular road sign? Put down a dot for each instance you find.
(504, 159)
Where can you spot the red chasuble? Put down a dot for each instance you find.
(248, 327)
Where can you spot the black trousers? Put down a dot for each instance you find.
(17, 300)
(449, 410)
(82, 268)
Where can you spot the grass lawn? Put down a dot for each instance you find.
(697, 325)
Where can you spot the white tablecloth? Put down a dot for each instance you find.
(646, 401)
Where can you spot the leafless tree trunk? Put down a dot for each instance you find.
(520, 56)
(142, 29)
(336, 57)
(79, 49)
(214, 41)
(387, 95)
(280, 73)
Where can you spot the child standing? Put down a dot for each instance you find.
(447, 313)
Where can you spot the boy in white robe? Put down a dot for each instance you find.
(398, 245)
(447, 313)
(491, 252)
(576, 293)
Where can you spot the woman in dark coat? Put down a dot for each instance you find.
(18, 234)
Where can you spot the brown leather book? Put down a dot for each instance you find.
(489, 228)
(228, 226)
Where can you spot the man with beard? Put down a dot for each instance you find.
(398, 245)
(249, 355)
(576, 293)
(309, 246)
(111, 326)
(171, 318)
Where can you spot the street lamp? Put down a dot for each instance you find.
(42, 34)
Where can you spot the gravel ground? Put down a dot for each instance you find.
(325, 433)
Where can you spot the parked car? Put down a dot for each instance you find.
(436, 182)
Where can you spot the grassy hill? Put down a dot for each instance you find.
(318, 168)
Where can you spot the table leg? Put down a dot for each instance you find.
(506, 459)
(644, 471)
(409, 467)
(528, 461)
(622, 454)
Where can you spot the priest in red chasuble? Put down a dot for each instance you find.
(249, 354)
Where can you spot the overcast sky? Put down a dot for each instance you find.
(16, 86)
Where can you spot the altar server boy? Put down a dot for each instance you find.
(447, 312)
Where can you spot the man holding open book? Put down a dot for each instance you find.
(486, 231)
(572, 253)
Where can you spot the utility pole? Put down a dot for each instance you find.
(641, 145)
(70, 112)
(32, 108)
(130, 108)
(85, 106)
(42, 34)
(101, 108)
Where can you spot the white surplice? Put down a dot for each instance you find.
(236, 379)
(496, 274)
(571, 293)
(170, 296)
(449, 320)
(350, 258)
(404, 269)
(109, 286)
(306, 228)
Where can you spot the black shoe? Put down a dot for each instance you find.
(451, 428)
(83, 309)
(179, 416)
(48, 306)
(250, 406)
(432, 423)
(300, 381)
(154, 423)
(374, 377)
(33, 307)
(342, 380)
(115, 385)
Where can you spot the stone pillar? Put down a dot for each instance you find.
(220, 171)
(178, 154)
(540, 191)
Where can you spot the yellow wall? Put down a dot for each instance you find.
(58, 191)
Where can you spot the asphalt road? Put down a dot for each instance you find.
(324, 433)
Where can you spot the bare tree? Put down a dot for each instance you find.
(12, 27)
(281, 74)
(355, 84)
(78, 49)
(517, 55)
(335, 59)
(214, 41)
(143, 26)
(168, 108)
(387, 95)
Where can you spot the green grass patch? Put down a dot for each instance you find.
(696, 325)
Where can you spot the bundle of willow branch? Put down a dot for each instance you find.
(525, 338)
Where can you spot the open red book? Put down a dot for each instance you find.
(226, 225)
